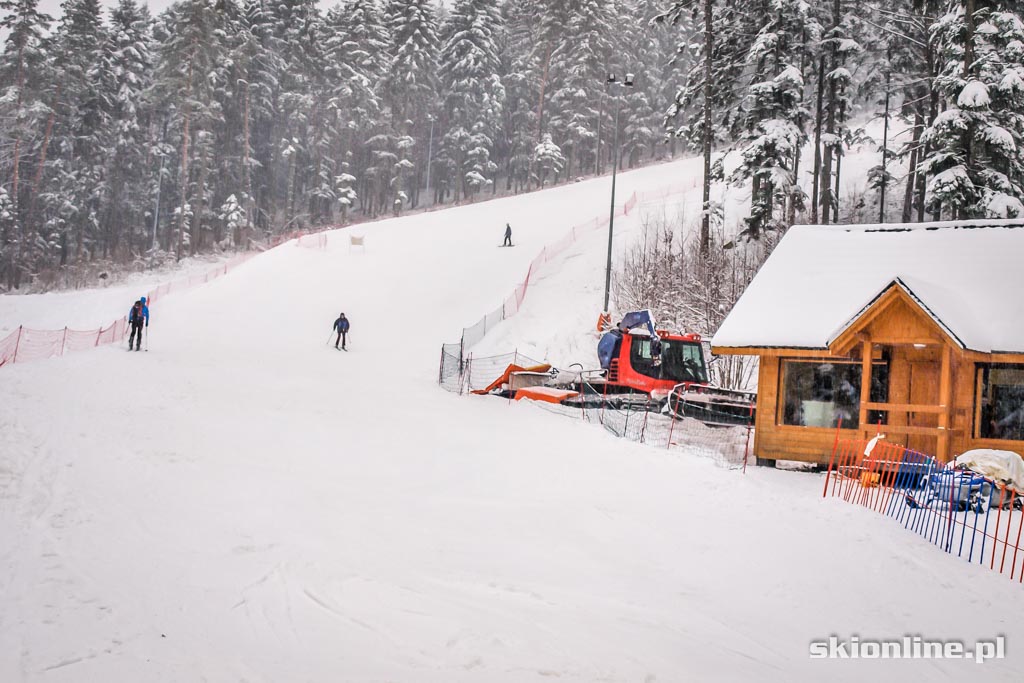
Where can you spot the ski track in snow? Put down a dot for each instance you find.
(244, 503)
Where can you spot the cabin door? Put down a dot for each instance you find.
(924, 390)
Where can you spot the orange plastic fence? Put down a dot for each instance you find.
(27, 344)
(964, 513)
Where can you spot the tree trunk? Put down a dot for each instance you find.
(818, 116)
(908, 194)
(598, 165)
(16, 254)
(185, 152)
(707, 141)
(246, 173)
(963, 212)
(540, 100)
(885, 146)
(196, 243)
(41, 164)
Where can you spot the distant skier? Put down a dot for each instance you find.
(341, 326)
(508, 236)
(137, 316)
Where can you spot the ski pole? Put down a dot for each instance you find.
(328, 342)
(147, 338)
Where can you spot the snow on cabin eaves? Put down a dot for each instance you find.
(967, 275)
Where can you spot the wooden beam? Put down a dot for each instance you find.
(771, 351)
(906, 408)
(909, 429)
(945, 402)
(865, 381)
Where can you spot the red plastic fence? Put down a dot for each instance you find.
(25, 344)
(961, 512)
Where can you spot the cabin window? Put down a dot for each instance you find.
(820, 393)
(678, 361)
(1001, 401)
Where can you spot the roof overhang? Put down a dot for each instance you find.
(848, 334)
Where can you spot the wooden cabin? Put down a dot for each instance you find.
(916, 331)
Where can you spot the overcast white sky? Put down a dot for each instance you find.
(52, 7)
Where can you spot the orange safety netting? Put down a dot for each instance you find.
(546, 394)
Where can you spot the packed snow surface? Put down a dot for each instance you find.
(245, 503)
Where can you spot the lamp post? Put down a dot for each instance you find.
(627, 82)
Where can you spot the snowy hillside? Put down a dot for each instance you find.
(558, 323)
(243, 502)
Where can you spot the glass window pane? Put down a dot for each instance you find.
(1002, 402)
(819, 394)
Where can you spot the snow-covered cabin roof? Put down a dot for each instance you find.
(967, 275)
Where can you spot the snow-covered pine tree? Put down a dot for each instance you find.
(642, 50)
(191, 78)
(257, 65)
(775, 116)
(130, 60)
(306, 127)
(578, 70)
(357, 61)
(474, 93)
(975, 157)
(837, 24)
(346, 192)
(548, 160)
(21, 88)
(707, 109)
(66, 216)
(410, 87)
(878, 87)
(521, 75)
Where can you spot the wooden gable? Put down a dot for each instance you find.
(894, 318)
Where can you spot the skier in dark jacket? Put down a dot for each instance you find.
(341, 326)
(137, 316)
(508, 236)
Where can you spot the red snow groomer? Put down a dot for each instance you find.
(639, 359)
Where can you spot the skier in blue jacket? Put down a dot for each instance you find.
(138, 315)
(341, 326)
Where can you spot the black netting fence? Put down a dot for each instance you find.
(648, 423)
(481, 372)
(451, 370)
(476, 373)
(717, 427)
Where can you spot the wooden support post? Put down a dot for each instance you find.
(865, 385)
(945, 402)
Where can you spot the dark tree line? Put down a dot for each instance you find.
(223, 122)
(768, 77)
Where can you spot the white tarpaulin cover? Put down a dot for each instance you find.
(1004, 466)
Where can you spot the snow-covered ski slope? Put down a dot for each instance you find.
(244, 503)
